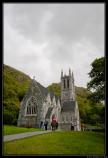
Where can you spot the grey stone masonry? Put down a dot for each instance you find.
(35, 106)
(39, 105)
(69, 108)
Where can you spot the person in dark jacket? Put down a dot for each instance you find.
(56, 125)
(46, 124)
(72, 127)
(41, 124)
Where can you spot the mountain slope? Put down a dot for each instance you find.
(15, 84)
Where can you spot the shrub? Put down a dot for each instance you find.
(9, 117)
(98, 130)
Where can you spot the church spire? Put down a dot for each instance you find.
(61, 73)
(72, 76)
(69, 72)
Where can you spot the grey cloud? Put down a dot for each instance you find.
(61, 26)
(60, 54)
(75, 21)
(70, 22)
(26, 18)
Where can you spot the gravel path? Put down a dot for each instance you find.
(23, 135)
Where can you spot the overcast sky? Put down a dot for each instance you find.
(41, 39)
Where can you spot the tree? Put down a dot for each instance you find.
(97, 83)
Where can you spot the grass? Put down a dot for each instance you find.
(72, 143)
(7, 130)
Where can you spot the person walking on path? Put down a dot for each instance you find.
(53, 124)
(46, 124)
(72, 127)
(41, 124)
(56, 125)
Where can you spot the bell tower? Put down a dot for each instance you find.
(67, 87)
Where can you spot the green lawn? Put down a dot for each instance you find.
(7, 129)
(77, 143)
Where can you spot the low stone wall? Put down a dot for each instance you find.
(65, 126)
(28, 121)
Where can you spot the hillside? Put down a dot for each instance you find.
(15, 85)
(80, 91)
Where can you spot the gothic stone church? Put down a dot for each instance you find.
(39, 105)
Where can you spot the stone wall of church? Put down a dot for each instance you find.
(31, 120)
(21, 118)
(78, 127)
(42, 104)
(66, 119)
(55, 111)
(65, 126)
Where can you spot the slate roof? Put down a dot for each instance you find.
(44, 91)
(49, 112)
(68, 106)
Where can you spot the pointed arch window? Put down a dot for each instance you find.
(31, 108)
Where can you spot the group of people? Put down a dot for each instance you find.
(54, 124)
(43, 125)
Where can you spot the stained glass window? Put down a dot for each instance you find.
(31, 106)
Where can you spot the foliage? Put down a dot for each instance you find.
(9, 117)
(68, 143)
(97, 83)
(14, 87)
(54, 87)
